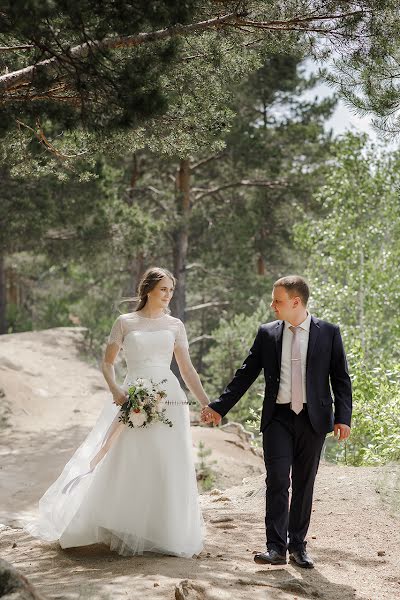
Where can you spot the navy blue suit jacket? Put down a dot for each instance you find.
(326, 373)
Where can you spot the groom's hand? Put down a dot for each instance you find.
(342, 430)
(208, 415)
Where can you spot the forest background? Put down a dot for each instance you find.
(186, 135)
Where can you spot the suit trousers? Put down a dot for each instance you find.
(292, 451)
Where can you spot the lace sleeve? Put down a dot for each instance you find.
(116, 334)
(181, 337)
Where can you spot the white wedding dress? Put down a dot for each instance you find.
(142, 495)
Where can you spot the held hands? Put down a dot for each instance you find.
(208, 415)
(342, 430)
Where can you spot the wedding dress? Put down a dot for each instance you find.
(134, 489)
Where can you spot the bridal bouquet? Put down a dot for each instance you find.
(143, 405)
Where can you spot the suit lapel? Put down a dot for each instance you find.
(313, 336)
(278, 331)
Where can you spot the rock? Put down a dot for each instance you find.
(257, 451)
(221, 520)
(187, 590)
(14, 524)
(238, 444)
(156, 584)
(14, 585)
(303, 589)
(238, 429)
(252, 582)
(8, 364)
(215, 492)
(222, 499)
(381, 553)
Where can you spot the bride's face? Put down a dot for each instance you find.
(160, 296)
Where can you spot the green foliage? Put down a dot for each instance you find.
(130, 212)
(102, 89)
(375, 433)
(152, 95)
(252, 424)
(368, 76)
(196, 118)
(352, 248)
(18, 318)
(204, 471)
(231, 343)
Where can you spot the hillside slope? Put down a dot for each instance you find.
(53, 398)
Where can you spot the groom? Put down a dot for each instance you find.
(303, 361)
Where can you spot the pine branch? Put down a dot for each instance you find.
(10, 81)
(42, 139)
(201, 338)
(15, 48)
(242, 183)
(51, 65)
(204, 161)
(206, 305)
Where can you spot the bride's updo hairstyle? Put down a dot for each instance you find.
(148, 282)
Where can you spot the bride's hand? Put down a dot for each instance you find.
(208, 415)
(119, 396)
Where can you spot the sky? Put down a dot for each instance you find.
(344, 117)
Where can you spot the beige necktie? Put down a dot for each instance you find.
(297, 380)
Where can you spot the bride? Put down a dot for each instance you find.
(134, 489)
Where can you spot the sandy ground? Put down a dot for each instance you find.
(354, 535)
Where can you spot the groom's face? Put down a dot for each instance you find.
(283, 305)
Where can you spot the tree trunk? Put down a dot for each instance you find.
(261, 270)
(3, 296)
(136, 269)
(136, 265)
(181, 238)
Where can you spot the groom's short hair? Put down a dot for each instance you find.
(295, 285)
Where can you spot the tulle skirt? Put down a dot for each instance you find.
(141, 497)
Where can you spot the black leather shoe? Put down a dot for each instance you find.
(301, 558)
(271, 557)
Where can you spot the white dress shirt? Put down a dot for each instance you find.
(285, 386)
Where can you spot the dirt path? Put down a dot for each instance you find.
(354, 537)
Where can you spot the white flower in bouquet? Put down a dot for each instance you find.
(144, 383)
(138, 418)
